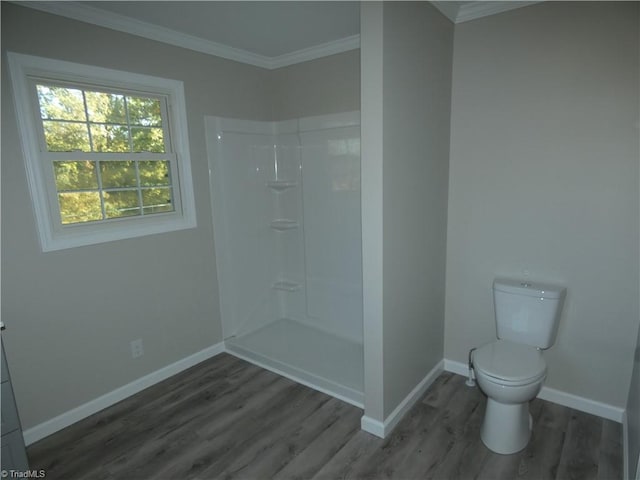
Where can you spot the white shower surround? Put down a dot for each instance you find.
(287, 231)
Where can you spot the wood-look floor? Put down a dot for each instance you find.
(226, 418)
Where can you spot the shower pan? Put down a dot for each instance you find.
(287, 232)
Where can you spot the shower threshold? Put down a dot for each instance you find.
(307, 355)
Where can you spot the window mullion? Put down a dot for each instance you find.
(100, 189)
(72, 215)
(139, 187)
(126, 116)
(168, 143)
(86, 116)
(174, 183)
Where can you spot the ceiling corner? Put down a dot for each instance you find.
(480, 8)
(448, 9)
(463, 11)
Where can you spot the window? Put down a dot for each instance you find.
(106, 151)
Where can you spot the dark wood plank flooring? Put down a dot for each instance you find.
(226, 418)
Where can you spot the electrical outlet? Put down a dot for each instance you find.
(137, 349)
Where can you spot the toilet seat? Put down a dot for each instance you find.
(509, 363)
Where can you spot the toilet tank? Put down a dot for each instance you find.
(527, 312)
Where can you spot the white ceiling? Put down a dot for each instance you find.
(265, 28)
(459, 12)
(268, 34)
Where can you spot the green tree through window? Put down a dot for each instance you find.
(125, 171)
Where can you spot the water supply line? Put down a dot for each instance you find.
(470, 380)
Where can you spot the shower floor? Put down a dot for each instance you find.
(307, 355)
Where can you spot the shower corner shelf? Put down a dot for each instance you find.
(283, 224)
(286, 285)
(281, 185)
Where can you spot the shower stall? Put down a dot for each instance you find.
(287, 231)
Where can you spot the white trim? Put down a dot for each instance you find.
(303, 377)
(477, 9)
(374, 427)
(566, 399)
(382, 429)
(332, 120)
(583, 404)
(122, 23)
(85, 410)
(239, 125)
(473, 10)
(305, 124)
(285, 127)
(51, 234)
(317, 51)
(448, 9)
(456, 367)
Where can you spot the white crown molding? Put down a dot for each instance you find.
(114, 21)
(459, 12)
(317, 51)
(479, 9)
(448, 9)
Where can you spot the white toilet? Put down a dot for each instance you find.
(511, 370)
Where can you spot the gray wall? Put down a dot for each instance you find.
(544, 178)
(633, 416)
(371, 171)
(418, 50)
(415, 88)
(72, 313)
(317, 87)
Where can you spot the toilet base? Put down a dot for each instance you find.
(506, 428)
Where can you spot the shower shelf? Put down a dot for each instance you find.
(286, 285)
(283, 224)
(281, 185)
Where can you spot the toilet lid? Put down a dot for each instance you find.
(509, 361)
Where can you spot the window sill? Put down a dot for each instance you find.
(73, 236)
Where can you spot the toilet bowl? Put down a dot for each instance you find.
(511, 375)
(511, 370)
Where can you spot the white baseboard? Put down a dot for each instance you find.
(374, 427)
(583, 404)
(456, 367)
(300, 376)
(382, 429)
(74, 415)
(570, 400)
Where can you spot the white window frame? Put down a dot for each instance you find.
(40, 175)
